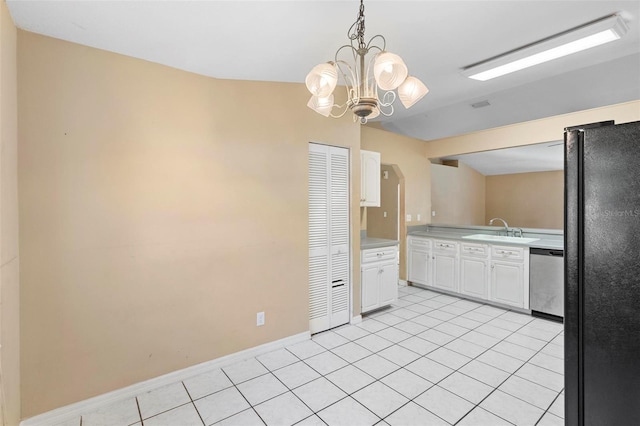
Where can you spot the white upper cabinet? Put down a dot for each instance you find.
(369, 179)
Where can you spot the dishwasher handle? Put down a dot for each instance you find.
(546, 252)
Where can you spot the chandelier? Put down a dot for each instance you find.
(374, 72)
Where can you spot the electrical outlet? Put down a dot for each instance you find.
(260, 318)
(433, 213)
(418, 217)
(384, 214)
(408, 218)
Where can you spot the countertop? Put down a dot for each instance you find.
(369, 243)
(544, 241)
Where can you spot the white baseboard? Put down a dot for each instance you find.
(76, 409)
(356, 320)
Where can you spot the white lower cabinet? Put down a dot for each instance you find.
(419, 261)
(379, 277)
(506, 283)
(474, 270)
(510, 276)
(370, 283)
(488, 272)
(388, 283)
(445, 265)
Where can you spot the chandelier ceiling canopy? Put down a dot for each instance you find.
(371, 76)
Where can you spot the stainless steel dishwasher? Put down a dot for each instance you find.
(546, 283)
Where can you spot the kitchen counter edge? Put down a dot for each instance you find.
(541, 243)
(370, 243)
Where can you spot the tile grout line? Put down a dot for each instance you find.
(435, 297)
(421, 356)
(510, 375)
(139, 412)
(547, 410)
(192, 403)
(454, 370)
(443, 345)
(471, 359)
(245, 398)
(314, 413)
(387, 326)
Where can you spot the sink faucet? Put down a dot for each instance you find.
(519, 231)
(506, 227)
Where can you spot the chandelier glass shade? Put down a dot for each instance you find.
(370, 74)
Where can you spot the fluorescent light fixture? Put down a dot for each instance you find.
(585, 37)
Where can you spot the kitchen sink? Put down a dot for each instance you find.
(500, 238)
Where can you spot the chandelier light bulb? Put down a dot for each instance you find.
(322, 79)
(389, 71)
(321, 105)
(411, 91)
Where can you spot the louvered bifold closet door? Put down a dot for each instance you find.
(329, 258)
(319, 318)
(339, 240)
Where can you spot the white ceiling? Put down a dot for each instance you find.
(540, 157)
(282, 40)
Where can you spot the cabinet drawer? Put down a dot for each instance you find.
(419, 243)
(505, 252)
(445, 245)
(375, 255)
(479, 250)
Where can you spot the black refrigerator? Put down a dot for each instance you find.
(602, 274)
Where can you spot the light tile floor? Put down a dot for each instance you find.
(430, 359)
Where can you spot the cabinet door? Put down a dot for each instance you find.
(388, 283)
(445, 271)
(474, 277)
(507, 283)
(370, 287)
(419, 267)
(370, 179)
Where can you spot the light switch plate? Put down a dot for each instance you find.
(408, 218)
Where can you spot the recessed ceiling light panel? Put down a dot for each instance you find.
(585, 37)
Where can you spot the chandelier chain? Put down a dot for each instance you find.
(356, 32)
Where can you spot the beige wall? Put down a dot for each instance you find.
(379, 226)
(527, 200)
(159, 211)
(410, 157)
(9, 260)
(457, 195)
(409, 154)
(530, 132)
